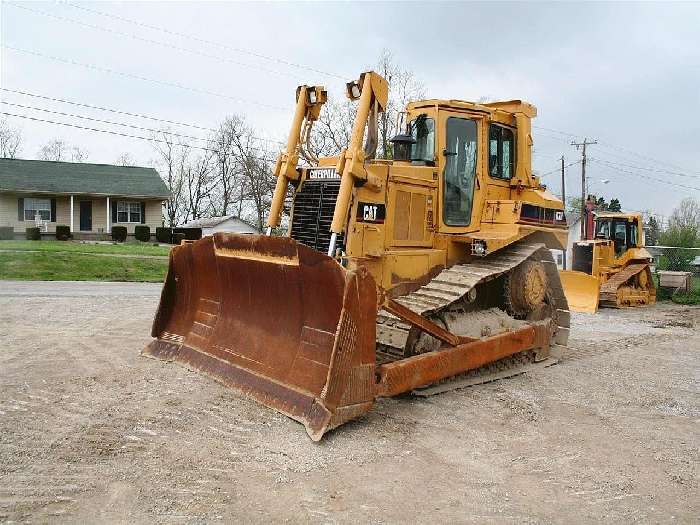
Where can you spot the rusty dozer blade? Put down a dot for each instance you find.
(293, 329)
(284, 324)
(582, 291)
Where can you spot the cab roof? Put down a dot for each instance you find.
(506, 106)
(616, 215)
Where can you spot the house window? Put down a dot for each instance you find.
(34, 207)
(128, 211)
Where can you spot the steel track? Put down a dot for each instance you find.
(452, 286)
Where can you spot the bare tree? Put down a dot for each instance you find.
(199, 182)
(687, 214)
(403, 88)
(56, 149)
(171, 161)
(332, 131)
(683, 228)
(228, 190)
(258, 182)
(125, 159)
(78, 154)
(10, 140)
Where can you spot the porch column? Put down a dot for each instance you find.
(109, 217)
(71, 214)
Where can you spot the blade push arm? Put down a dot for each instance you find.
(373, 91)
(310, 99)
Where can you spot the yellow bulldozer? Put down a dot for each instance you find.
(395, 275)
(611, 269)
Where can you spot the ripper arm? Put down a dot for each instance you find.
(310, 99)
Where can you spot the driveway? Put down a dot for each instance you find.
(90, 431)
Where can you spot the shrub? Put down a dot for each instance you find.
(191, 234)
(63, 232)
(178, 238)
(119, 233)
(142, 233)
(7, 233)
(692, 297)
(33, 234)
(164, 235)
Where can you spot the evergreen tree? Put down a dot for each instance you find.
(652, 231)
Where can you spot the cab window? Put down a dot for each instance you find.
(620, 236)
(423, 132)
(501, 152)
(460, 171)
(633, 236)
(602, 230)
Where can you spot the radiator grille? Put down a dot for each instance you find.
(313, 214)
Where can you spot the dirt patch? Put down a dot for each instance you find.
(89, 431)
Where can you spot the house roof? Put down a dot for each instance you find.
(41, 176)
(210, 222)
(207, 222)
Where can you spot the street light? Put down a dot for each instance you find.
(593, 183)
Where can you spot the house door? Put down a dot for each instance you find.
(85, 216)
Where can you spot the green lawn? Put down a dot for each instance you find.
(130, 248)
(26, 266)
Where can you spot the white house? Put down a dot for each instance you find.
(226, 223)
(573, 220)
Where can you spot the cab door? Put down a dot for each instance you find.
(459, 162)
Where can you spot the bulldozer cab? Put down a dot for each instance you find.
(624, 230)
(474, 148)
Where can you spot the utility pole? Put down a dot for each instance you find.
(583, 145)
(563, 199)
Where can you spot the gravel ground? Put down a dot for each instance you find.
(91, 432)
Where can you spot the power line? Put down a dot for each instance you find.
(148, 40)
(609, 145)
(110, 132)
(558, 168)
(679, 174)
(205, 41)
(661, 181)
(127, 113)
(571, 135)
(620, 148)
(102, 108)
(145, 79)
(111, 122)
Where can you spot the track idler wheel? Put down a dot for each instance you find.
(526, 289)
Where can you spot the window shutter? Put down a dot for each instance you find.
(53, 210)
(143, 212)
(114, 211)
(20, 209)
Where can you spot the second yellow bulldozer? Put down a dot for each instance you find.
(394, 274)
(611, 269)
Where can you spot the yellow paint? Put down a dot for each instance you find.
(583, 290)
(414, 240)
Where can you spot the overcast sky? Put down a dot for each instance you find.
(626, 74)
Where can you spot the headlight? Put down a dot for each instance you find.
(312, 96)
(354, 91)
(479, 248)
